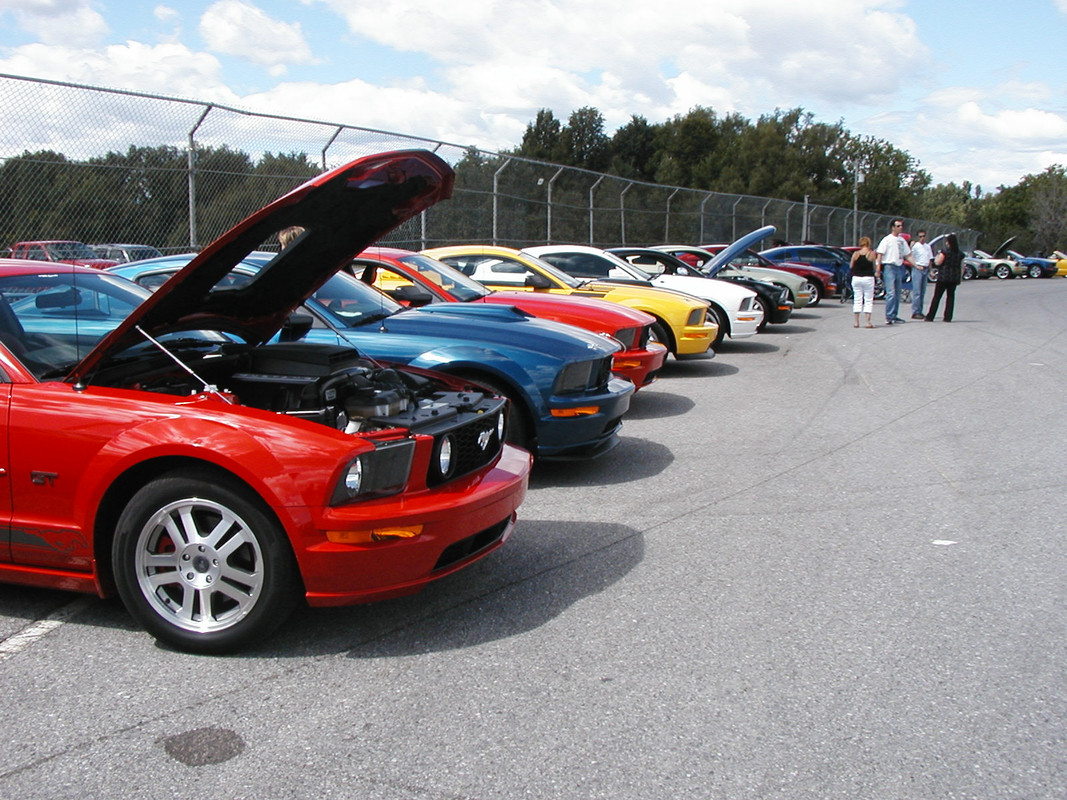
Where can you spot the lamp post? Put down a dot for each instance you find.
(857, 179)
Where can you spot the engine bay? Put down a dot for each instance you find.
(329, 384)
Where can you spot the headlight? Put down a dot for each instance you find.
(696, 316)
(382, 471)
(746, 304)
(574, 377)
(626, 337)
(354, 477)
(444, 456)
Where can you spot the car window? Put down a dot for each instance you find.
(50, 321)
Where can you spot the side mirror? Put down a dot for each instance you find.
(296, 327)
(412, 295)
(535, 281)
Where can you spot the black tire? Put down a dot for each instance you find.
(969, 273)
(816, 292)
(719, 318)
(659, 333)
(762, 306)
(225, 586)
(517, 428)
(1003, 271)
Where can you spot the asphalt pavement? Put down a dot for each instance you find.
(827, 563)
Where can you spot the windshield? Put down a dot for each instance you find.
(504, 271)
(453, 282)
(582, 264)
(51, 321)
(66, 251)
(347, 302)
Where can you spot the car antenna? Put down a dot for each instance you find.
(208, 387)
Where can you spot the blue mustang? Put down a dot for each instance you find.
(565, 401)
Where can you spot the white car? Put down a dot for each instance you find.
(733, 308)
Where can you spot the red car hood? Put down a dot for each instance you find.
(342, 211)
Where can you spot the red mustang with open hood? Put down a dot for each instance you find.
(213, 477)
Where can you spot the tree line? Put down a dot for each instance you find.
(140, 196)
(789, 155)
(143, 195)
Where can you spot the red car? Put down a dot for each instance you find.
(61, 251)
(417, 279)
(168, 448)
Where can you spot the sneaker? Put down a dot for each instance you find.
(917, 316)
(890, 321)
(898, 320)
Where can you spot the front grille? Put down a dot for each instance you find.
(474, 445)
(464, 548)
(602, 374)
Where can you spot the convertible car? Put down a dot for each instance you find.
(163, 447)
(416, 279)
(1035, 266)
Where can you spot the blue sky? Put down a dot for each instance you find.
(975, 91)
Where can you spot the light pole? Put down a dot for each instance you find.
(857, 179)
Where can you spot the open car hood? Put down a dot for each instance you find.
(727, 254)
(999, 252)
(341, 212)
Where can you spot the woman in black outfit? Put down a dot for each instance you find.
(949, 274)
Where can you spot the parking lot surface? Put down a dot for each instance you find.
(827, 563)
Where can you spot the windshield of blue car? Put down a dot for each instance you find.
(347, 302)
(457, 285)
(51, 320)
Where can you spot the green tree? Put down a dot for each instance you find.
(633, 150)
(584, 142)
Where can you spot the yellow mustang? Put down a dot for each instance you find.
(681, 319)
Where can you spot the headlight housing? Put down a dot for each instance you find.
(697, 316)
(377, 473)
(627, 337)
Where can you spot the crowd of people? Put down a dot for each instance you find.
(895, 260)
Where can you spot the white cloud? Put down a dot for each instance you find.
(165, 14)
(169, 68)
(979, 135)
(237, 28)
(60, 22)
(762, 53)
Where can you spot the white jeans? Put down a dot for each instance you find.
(863, 294)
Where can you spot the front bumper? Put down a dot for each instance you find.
(588, 435)
(461, 522)
(640, 366)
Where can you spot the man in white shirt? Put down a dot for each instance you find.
(893, 252)
(921, 256)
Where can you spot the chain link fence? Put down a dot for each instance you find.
(107, 166)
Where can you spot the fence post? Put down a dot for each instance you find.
(667, 220)
(703, 203)
(591, 190)
(496, 195)
(548, 228)
(622, 211)
(191, 160)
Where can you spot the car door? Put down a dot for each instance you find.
(5, 475)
